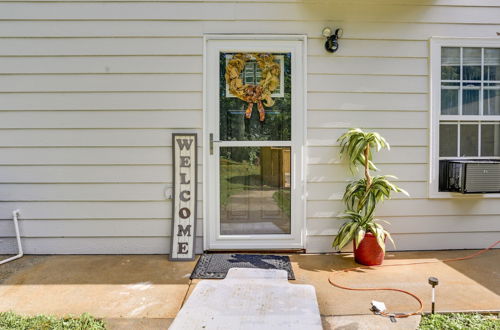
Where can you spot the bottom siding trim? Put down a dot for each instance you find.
(416, 242)
(92, 245)
(161, 245)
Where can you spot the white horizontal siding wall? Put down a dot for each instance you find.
(91, 91)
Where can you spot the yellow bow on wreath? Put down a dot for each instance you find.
(261, 93)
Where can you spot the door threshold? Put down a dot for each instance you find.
(279, 251)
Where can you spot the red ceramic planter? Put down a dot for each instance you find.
(368, 253)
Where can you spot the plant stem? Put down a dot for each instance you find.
(367, 169)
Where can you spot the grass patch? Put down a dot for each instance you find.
(459, 321)
(10, 320)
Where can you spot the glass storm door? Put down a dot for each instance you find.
(254, 131)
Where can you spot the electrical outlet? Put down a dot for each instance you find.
(169, 192)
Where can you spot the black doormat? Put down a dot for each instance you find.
(216, 265)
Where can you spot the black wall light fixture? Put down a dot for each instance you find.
(332, 39)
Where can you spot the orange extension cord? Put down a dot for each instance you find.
(400, 290)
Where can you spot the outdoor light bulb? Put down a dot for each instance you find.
(326, 32)
(339, 32)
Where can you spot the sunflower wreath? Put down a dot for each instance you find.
(259, 94)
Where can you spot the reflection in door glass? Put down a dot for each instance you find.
(253, 74)
(255, 195)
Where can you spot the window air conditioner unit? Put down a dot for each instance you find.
(470, 176)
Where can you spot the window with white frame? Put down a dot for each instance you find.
(252, 74)
(465, 101)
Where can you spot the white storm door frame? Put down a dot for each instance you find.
(213, 45)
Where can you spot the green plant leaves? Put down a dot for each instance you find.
(359, 237)
(362, 196)
(10, 320)
(356, 227)
(359, 195)
(353, 145)
(458, 321)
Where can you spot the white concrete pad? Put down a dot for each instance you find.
(250, 299)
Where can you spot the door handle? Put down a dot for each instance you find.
(211, 137)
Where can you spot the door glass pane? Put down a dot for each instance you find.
(448, 140)
(492, 64)
(450, 63)
(490, 139)
(470, 100)
(469, 140)
(260, 107)
(491, 104)
(255, 196)
(472, 64)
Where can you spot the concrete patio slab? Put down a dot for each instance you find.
(147, 291)
(104, 286)
(460, 288)
(144, 323)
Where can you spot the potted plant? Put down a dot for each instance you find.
(362, 196)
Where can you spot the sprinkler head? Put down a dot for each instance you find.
(433, 281)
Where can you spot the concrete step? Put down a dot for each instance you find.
(250, 299)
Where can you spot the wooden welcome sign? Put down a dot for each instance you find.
(184, 197)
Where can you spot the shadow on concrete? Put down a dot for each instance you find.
(320, 263)
(95, 269)
(469, 285)
(483, 269)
